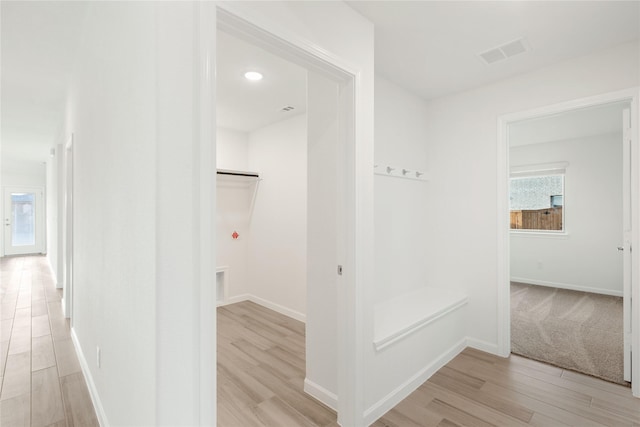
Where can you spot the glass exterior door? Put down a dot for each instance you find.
(22, 221)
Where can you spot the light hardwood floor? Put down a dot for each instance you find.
(41, 381)
(261, 364)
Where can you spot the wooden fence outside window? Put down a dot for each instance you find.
(540, 219)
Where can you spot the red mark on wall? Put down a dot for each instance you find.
(235, 235)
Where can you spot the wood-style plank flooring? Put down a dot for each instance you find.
(40, 377)
(261, 366)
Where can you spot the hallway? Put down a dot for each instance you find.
(41, 380)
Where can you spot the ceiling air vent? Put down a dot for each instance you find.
(504, 51)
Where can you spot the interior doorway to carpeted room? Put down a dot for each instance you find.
(567, 239)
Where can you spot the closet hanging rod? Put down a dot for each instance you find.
(237, 173)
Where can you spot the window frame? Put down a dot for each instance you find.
(533, 173)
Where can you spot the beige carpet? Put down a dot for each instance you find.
(574, 330)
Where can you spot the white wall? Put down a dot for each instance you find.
(586, 258)
(38, 178)
(403, 228)
(136, 204)
(267, 262)
(232, 149)
(322, 250)
(463, 145)
(234, 196)
(52, 220)
(401, 206)
(277, 248)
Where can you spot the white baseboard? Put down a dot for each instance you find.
(54, 276)
(64, 308)
(485, 346)
(268, 304)
(567, 286)
(320, 393)
(396, 396)
(93, 391)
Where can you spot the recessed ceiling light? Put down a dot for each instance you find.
(253, 76)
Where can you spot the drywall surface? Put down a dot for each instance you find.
(462, 134)
(322, 250)
(277, 249)
(401, 205)
(114, 227)
(137, 230)
(232, 149)
(586, 257)
(234, 197)
(403, 229)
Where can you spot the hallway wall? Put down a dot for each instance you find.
(137, 233)
(463, 138)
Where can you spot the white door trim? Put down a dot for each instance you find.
(504, 316)
(357, 179)
(67, 229)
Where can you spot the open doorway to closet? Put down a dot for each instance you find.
(278, 223)
(569, 202)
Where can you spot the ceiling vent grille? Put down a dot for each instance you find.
(504, 51)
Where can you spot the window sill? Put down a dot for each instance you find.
(540, 234)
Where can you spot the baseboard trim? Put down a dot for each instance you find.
(320, 393)
(64, 308)
(54, 276)
(268, 304)
(567, 286)
(88, 378)
(485, 346)
(405, 389)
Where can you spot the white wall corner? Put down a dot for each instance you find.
(91, 386)
(279, 308)
(268, 304)
(385, 404)
(320, 393)
(487, 347)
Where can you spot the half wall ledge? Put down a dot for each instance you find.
(401, 316)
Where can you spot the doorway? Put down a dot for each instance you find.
(23, 220)
(332, 177)
(535, 253)
(566, 218)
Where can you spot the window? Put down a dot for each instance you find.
(536, 202)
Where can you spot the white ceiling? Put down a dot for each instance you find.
(431, 47)
(428, 47)
(245, 106)
(583, 122)
(38, 42)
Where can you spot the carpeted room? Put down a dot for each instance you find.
(567, 253)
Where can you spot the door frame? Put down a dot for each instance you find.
(67, 230)
(356, 180)
(504, 303)
(40, 220)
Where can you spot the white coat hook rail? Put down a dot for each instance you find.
(385, 170)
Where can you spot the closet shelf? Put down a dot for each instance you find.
(239, 179)
(237, 174)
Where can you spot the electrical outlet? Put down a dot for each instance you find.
(98, 356)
